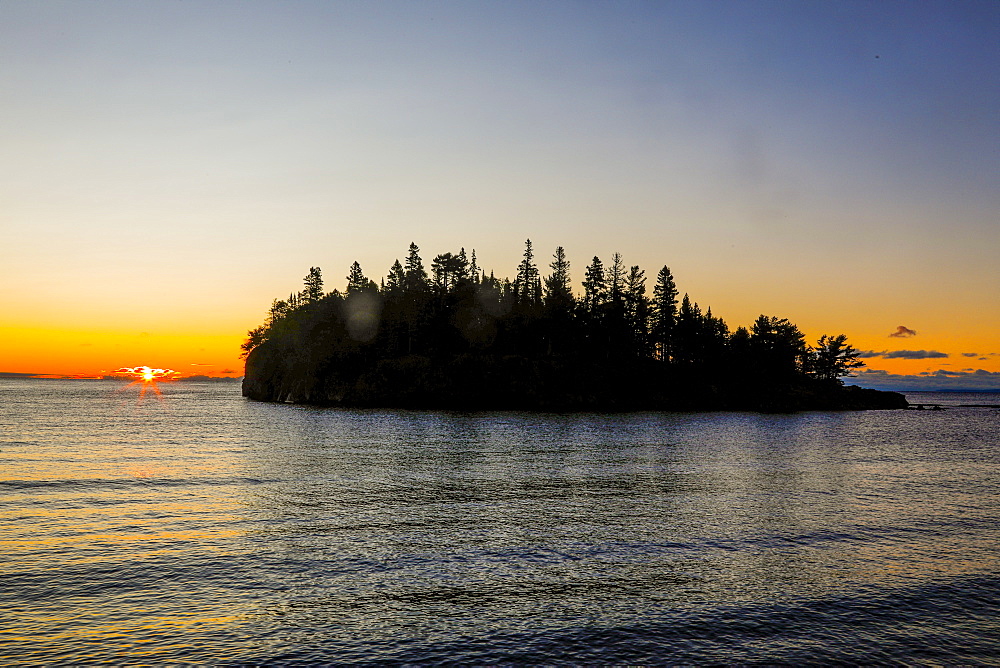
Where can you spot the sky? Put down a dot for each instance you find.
(169, 168)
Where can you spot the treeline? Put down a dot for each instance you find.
(455, 336)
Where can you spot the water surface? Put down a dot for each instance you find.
(197, 526)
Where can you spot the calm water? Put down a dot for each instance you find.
(200, 527)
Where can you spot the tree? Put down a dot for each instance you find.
(462, 266)
(255, 337)
(395, 281)
(664, 313)
(313, 291)
(595, 287)
(778, 346)
(474, 271)
(637, 309)
(449, 270)
(686, 336)
(357, 281)
(527, 288)
(415, 276)
(616, 279)
(558, 292)
(279, 309)
(833, 357)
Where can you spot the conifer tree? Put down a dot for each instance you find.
(616, 279)
(558, 290)
(595, 287)
(415, 276)
(356, 280)
(778, 346)
(664, 313)
(637, 310)
(443, 268)
(833, 357)
(313, 290)
(395, 280)
(474, 270)
(461, 266)
(526, 286)
(687, 328)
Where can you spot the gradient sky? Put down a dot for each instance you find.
(170, 167)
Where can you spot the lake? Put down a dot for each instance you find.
(184, 523)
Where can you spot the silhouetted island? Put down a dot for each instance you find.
(458, 338)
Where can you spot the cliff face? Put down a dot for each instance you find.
(470, 382)
(276, 375)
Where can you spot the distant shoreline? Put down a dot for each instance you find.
(13, 375)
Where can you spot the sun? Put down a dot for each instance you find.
(146, 374)
(148, 377)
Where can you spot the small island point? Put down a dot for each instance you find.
(458, 338)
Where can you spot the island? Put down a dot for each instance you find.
(457, 338)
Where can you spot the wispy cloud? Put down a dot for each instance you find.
(902, 354)
(970, 354)
(903, 332)
(913, 355)
(942, 379)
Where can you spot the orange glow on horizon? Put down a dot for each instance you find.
(73, 353)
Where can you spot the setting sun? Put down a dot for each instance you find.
(147, 374)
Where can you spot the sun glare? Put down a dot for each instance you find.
(147, 376)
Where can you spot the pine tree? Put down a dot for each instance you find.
(474, 271)
(356, 280)
(779, 348)
(595, 287)
(833, 357)
(395, 280)
(313, 290)
(637, 310)
(664, 313)
(461, 266)
(558, 290)
(415, 276)
(442, 267)
(686, 341)
(526, 286)
(616, 279)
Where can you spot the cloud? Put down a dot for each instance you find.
(200, 364)
(970, 354)
(902, 354)
(903, 332)
(913, 355)
(977, 380)
(227, 371)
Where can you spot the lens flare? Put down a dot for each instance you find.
(147, 376)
